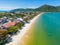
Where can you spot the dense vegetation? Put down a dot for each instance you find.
(58, 8)
(3, 36)
(22, 10)
(10, 15)
(48, 8)
(12, 29)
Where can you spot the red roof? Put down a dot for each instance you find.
(9, 24)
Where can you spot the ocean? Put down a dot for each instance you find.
(45, 30)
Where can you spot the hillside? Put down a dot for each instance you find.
(58, 8)
(46, 8)
(22, 10)
(43, 8)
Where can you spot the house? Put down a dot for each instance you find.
(0, 20)
(18, 19)
(5, 19)
(26, 18)
(2, 28)
(9, 24)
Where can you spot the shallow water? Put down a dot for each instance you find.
(46, 30)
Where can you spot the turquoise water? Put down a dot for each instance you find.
(50, 24)
(46, 30)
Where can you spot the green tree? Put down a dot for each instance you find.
(3, 36)
(20, 24)
(12, 29)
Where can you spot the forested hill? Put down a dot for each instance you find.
(43, 8)
(46, 8)
(22, 10)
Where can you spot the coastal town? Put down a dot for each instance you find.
(29, 22)
(10, 23)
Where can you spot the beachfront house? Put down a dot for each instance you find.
(12, 23)
(18, 19)
(9, 24)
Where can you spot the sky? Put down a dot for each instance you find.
(14, 4)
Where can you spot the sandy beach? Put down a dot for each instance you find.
(18, 39)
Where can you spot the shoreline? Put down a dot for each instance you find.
(17, 38)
